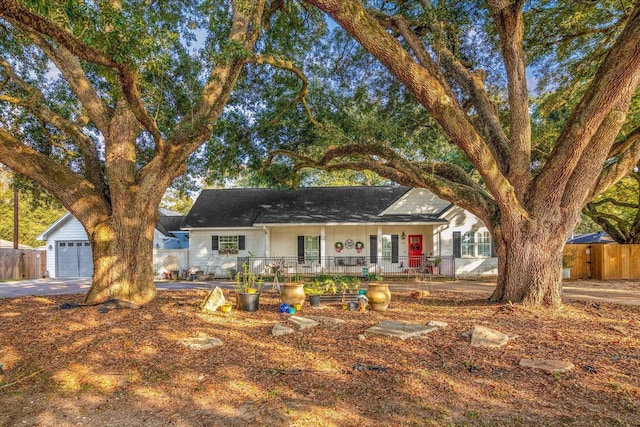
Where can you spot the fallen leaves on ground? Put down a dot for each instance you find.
(126, 367)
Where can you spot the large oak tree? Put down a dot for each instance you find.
(530, 201)
(103, 103)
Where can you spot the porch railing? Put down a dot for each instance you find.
(401, 267)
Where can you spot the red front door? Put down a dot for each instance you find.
(415, 250)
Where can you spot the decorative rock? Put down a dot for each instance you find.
(326, 320)
(301, 323)
(200, 343)
(551, 366)
(401, 330)
(214, 300)
(279, 330)
(420, 294)
(437, 324)
(362, 337)
(481, 336)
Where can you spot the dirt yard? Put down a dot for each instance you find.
(70, 367)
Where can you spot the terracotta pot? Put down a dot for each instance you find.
(379, 296)
(292, 293)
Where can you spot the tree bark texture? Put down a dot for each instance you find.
(115, 199)
(530, 215)
(122, 260)
(530, 269)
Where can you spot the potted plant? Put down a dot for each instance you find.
(378, 293)
(314, 290)
(567, 263)
(436, 265)
(247, 286)
(292, 293)
(346, 285)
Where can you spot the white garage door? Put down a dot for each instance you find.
(73, 259)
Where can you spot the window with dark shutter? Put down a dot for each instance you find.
(241, 243)
(457, 244)
(300, 249)
(214, 243)
(373, 249)
(394, 248)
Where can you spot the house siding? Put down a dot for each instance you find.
(70, 229)
(464, 221)
(201, 255)
(415, 202)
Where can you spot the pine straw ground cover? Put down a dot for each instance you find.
(127, 368)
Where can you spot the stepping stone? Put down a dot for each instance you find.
(279, 330)
(401, 330)
(547, 365)
(200, 343)
(302, 323)
(326, 320)
(437, 324)
(481, 336)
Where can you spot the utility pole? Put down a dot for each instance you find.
(15, 218)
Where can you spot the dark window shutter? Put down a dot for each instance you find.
(241, 243)
(214, 243)
(493, 248)
(394, 248)
(319, 249)
(300, 249)
(457, 244)
(373, 249)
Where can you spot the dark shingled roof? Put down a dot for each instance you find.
(246, 207)
(167, 224)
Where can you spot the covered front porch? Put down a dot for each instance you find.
(292, 269)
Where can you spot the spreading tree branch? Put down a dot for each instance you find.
(35, 104)
(614, 82)
(74, 49)
(509, 22)
(429, 91)
(69, 65)
(618, 169)
(472, 82)
(68, 187)
(302, 95)
(445, 180)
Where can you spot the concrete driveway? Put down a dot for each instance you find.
(79, 285)
(573, 290)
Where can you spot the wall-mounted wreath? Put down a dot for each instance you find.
(359, 247)
(339, 246)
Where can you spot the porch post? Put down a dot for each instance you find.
(323, 248)
(379, 244)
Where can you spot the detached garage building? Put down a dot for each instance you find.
(69, 250)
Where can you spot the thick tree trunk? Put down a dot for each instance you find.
(123, 257)
(530, 269)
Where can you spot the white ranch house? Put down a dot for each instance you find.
(391, 230)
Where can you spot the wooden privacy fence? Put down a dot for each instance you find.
(603, 261)
(16, 264)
